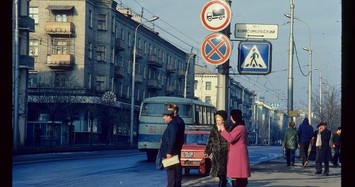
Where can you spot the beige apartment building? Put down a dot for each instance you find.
(81, 87)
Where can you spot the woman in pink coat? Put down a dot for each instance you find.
(238, 168)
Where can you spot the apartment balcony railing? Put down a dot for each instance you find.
(152, 84)
(60, 28)
(138, 78)
(60, 61)
(170, 68)
(119, 44)
(154, 61)
(119, 72)
(26, 62)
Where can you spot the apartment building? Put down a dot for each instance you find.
(81, 86)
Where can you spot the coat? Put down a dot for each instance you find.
(291, 138)
(238, 158)
(170, 143)
(324, 152)
(305, 132)
(217, 146)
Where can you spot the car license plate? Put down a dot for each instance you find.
(189, 154)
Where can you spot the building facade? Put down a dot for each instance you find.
(206, 83)
(80, 88)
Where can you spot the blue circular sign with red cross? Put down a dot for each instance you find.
(216, 48)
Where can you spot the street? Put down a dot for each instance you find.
(105, 168)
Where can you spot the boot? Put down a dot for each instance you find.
(222, 181)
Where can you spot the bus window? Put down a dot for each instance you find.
(185, 111)
(153, 109)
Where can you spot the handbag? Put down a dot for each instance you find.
(170, 161)
(158, 161)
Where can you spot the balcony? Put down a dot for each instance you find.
(139, 53)
(138, 78)
(119, 44)
(170, 90)
(119, 72)
(152, 84)
(153, 61)
(26, 62)
(63, 62)
(170, 68)
(26, 23)
(60, 28)
(181, 73)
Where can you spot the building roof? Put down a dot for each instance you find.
(203, 70)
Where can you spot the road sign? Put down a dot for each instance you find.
(254, 57)
(256, 31)
(216, 15)
(216, 48)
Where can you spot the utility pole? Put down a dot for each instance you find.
(223, 77)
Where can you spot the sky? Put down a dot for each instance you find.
(180, 23)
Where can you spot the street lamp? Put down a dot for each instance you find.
(187, 69)
(290, 64)
(134, 74)
(309, 49)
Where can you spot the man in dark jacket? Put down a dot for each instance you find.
(323, 154)
(181, 140)
(305, 133)
(170, 146)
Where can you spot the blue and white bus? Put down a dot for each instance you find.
(151, 126)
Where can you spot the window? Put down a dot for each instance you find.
(100, 83)
(60, 46)
(34, 14)
(32, 80)
(89, 80)
(34, 47)
(61, 18)
(208, 99)
(90, 18)
(195, 85)
(113, 25)
(90, 50)
(101, 22)
(208, 85)
(101, 53)
(129, 41)
(59, 79)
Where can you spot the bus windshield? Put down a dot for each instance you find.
(156, 109)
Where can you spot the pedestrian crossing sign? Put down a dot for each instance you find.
(254, 57)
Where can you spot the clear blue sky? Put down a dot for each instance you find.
(179, 23)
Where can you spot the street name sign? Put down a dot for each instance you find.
(216, 15)
(256, 31)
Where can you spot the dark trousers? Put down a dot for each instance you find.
(290, 156)
(336, 155)
(240, 182)
(174, 176)
(304, 152)
(319, 167)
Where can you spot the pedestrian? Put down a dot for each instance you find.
(323, 151)
(217, 149)
(305, 134)
(238, 166)
(181, 140)
(290, 143)
(336, 144)
(38, 134)
(171, 146)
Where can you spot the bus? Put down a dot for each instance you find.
(151, 125)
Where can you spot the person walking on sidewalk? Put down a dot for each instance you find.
(336, 142)
(323, 151)
(217, 149)
(238, 166)
(290, 143)
(305, 134)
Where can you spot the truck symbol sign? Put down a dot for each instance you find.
(215, 14)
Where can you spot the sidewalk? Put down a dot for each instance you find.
(276, 173)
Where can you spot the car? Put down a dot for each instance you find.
(192, 153)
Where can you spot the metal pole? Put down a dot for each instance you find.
(134, 74)
(15, 79)
(187, 69)
(310, 87)
(290, 64)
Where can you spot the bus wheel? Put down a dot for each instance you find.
(151, 155)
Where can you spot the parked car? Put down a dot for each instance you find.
(192, 153)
